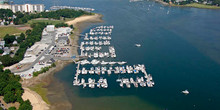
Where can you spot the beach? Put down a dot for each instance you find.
(35, 99)
(56, 97)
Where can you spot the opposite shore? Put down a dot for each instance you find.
(193, 5)
(35, 89)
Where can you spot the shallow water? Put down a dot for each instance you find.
(180, 49)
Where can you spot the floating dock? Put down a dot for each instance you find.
(92, 48)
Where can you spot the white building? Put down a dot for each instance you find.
(4, 4)
(28, 8)
(50, 28)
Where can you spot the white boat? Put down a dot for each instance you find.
(112, 63)
(83, 62)
(185, 92)
(104, 63)
(94, 62)
(138, 45)
(121, 63)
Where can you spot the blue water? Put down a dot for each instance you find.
(180, 49)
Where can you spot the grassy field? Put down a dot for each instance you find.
(54, 22)
(41, 91)
(9, 30)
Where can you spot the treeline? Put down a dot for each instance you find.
(32, 37)
(43, 70)
(11, 89)
(58, 14)
(61, 25)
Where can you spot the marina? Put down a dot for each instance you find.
(69, 7)
(99, 60)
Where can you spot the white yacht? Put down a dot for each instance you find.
(185, 92)
(121, 63)
(104, 63)
(94, 62)
(138, 45)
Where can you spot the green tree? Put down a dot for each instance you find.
(9, 96)
(1, 51)
(12, 108)
(21, 38)
(216, 2)
(26, 105)
(9, 39)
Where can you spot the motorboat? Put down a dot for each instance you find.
(94, 62)
(138, 45)
(185, 92)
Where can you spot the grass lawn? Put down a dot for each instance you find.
(41, 91)
(54, 22)
(9, 30)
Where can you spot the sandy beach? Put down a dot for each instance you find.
(57, 99)
(86, 18)
(35, 99)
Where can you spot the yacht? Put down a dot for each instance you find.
(121, 63)
(104, 63)
(94, 62)
(138, 45)
(185, 92)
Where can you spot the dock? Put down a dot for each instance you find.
(94, 56)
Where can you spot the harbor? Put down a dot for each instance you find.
(69, 7)
(99, 60)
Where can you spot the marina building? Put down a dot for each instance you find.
(63, 40)
(50, 28)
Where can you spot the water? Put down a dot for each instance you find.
(180, 49)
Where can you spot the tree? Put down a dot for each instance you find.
(21, 38)
(1, 51)
(9, 39)
(26, 105)
(216, 2)
(28, 32)
(12, 108)
(9, 96)
(71, 26)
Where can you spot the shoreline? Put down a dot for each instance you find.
(191, 5)
(45, 79)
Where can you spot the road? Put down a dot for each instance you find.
(42, 54)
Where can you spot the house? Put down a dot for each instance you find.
(2, 44)
(2, 23)
(12, 48)
(16, 37)
(15, 42)
(6, 51)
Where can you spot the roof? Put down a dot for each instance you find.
(51, 26)
(63, 38)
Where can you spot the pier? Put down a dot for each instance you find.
(69, 7)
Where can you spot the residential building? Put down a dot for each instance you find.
(4, 4)
(2, 44)
(27, 8)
